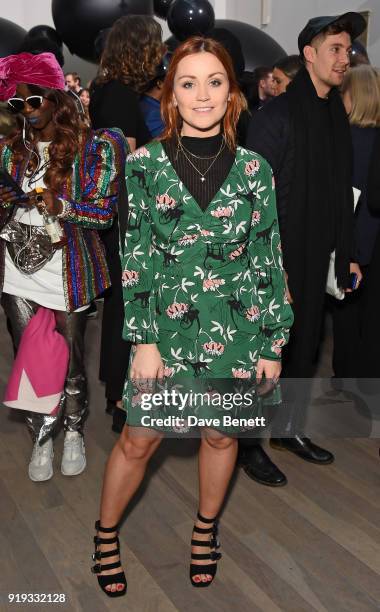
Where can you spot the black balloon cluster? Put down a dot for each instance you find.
(81, 23)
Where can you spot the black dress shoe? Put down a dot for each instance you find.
(110, 406)
(303, 448)
(257, 465)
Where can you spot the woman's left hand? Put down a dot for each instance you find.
(269, 368)
(355, 269)
(50, 202)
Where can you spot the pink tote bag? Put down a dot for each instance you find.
(39, 371)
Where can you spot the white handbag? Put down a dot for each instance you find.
(332, 285)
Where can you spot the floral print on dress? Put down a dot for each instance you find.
(252, 167)
(165, 202)
(188, 239)
(212, 284)
(223, 212)
(213, 348)
(138, 154)
(130, 278)
(177, 311)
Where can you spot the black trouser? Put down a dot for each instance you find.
(298, 366)
(347, 326)
(114, 351)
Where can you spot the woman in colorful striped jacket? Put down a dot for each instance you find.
(70, 175)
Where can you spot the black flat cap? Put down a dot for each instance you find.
(316, 25)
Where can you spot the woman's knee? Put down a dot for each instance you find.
(218, 442)
(138, 446)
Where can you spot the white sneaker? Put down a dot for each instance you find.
(74, 458)
(41, 462)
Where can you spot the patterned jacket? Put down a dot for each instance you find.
(91, 192)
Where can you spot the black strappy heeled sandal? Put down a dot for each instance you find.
(98, 567)
(212, 543)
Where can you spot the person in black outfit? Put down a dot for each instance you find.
(368, 362)
(132, 52)
(304, 135)
(361, 97)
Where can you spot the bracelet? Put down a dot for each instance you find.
(66, 209)
(5, 205)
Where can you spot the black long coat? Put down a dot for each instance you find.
(272, 134)
(369, 361)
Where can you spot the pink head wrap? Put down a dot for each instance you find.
(42, 69)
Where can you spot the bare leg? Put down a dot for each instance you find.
(124, 472)
(217, 459)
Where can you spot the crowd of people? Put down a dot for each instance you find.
(202, 204)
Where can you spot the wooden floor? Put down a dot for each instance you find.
(312, 545)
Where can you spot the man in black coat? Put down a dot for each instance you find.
(304, 135)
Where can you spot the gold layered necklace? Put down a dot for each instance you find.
(186, 153)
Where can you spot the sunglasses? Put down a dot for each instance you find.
(17, 105)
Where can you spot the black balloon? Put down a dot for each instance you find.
(161, 7)
(259, 49)
(44, 31)
(359, 54)
(78, 22)
(41, 44)
(189, 17)
(11, 37)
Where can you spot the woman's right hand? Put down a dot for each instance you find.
(8, 197)
(146, 366)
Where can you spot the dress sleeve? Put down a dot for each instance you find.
(266, 261)
(94, 202)
(137, 262)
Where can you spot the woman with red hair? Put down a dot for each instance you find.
(204, 294)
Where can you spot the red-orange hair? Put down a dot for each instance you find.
(236, 104)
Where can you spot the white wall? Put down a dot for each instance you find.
(288, 18)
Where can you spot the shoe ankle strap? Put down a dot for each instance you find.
(205, 520)
(98, 527)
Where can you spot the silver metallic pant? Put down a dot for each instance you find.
(73, 404)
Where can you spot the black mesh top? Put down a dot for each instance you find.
(202, 191)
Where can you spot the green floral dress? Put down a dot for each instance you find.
(206, 285)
